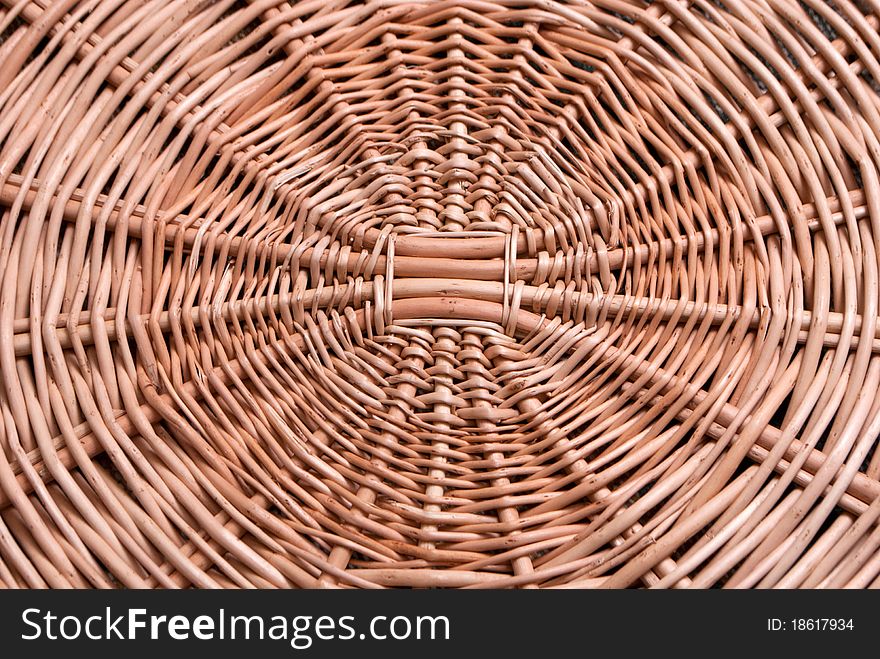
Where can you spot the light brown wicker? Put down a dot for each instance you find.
(439, 294)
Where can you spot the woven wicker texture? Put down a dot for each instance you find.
(439, 294)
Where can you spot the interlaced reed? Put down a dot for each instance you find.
(515, 293)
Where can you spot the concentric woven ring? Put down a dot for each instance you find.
(439, 294)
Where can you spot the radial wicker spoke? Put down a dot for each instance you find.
(667, 310)
(420, 247)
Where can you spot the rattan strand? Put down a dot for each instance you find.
(439, 294)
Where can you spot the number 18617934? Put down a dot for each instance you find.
(809, 624)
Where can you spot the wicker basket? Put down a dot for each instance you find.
(439, 294)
